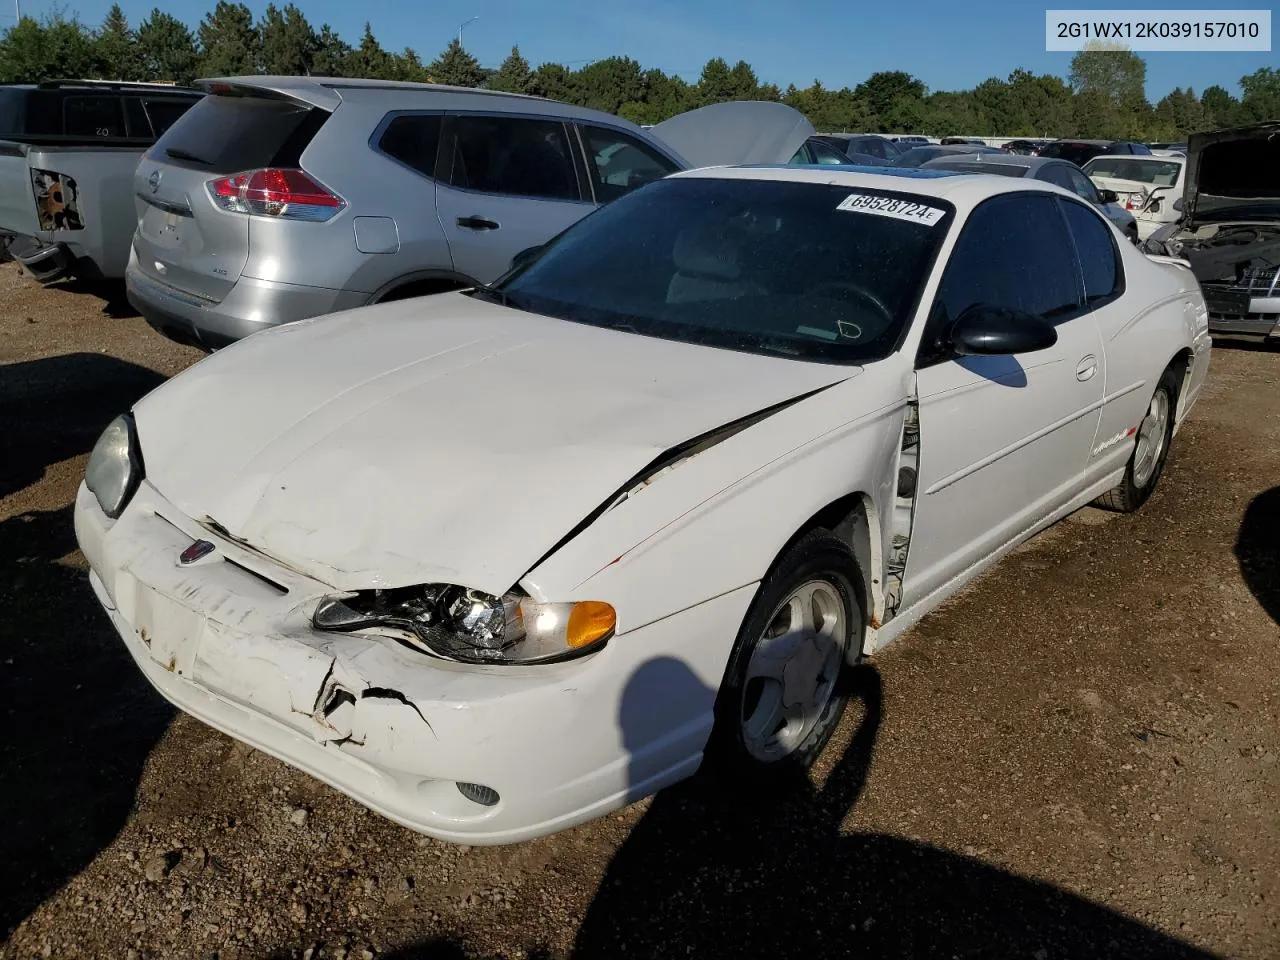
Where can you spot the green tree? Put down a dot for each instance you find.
(369, 59)
(716, 82)
(167, 49)
(114, 48)
(1178, 114)
(889, 94)
(53, 49)
(608, 84)
(228, 41)
(1112, 70)
(456, 67)
(287, 44)
(408, 66)
(554, 81)
(1220, 108)
(332, 56)
(1261, 99)
(513, 75)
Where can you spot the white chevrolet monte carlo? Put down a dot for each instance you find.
(497, 562)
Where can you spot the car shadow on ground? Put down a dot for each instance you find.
(710, 873)
(1258, 550)
(55, 408)
(80, 719)
(115, 302)
(1245, 344)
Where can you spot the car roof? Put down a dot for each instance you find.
(965, 190)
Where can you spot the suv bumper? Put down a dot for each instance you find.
(252, 305)
(46, 262)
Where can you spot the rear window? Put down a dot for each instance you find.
(227, 134)
(10, 112)
(1077, 153)
(93, 117)
(163, 113)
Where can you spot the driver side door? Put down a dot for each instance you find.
(1004, 440)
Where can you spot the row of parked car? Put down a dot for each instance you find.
(255, 201)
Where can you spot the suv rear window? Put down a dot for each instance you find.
(227, 134)
(163, 113)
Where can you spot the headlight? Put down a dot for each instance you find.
(475, 627)
(115, 466)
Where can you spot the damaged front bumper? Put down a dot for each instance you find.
(228, 639)
(1250, 306)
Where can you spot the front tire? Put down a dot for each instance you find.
(780, 699)
(1150, 449)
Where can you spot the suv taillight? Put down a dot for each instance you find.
(275, 192)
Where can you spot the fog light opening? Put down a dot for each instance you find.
(479, 793)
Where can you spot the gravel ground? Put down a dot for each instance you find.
(1074, 758)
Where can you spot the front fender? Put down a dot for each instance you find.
(718, 520)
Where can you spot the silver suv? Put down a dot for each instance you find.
(280, 198)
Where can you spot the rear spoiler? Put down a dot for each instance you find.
(308, 91)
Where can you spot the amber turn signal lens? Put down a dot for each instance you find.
(589, 621)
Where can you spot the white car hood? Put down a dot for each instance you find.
(736, 132)
(435, 440)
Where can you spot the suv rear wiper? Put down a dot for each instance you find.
(179, 154)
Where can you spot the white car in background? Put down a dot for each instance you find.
(497, 562)
(1148, 187)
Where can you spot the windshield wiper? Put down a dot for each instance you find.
(178, 153)
(492, 294)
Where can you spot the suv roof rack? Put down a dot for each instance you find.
(115, 85)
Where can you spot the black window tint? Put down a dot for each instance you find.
(510, 155)
(228, 134)
(1013, 253)
(618, 163)
(93, 117)
(1056, 174)
(1099, 261)
(413, 140)
(163, 113)
(136, 119)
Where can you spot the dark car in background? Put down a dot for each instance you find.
(1081, 152)
(962, 141)
(866, 149)
(1025, 148)
(919, 155)
(68, 150)
(1230, 227)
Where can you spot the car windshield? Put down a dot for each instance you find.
(813, 271)
(1159, 173)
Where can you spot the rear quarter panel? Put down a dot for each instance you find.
(373, 185)
(1160, 315)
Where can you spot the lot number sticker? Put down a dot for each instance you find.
(889, 207)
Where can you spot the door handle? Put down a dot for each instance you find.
(1086, 368)
(478, 223)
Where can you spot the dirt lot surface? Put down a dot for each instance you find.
(1075, 758)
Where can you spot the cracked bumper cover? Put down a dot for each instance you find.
(228, 639)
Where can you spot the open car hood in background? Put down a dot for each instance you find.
(736, 132)
(1233, 175)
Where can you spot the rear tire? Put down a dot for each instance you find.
(1150, 449)
(781, 699)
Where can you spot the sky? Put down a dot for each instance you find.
(946, 44)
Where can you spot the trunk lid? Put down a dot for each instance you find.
(1233, 175)
(182, 239)
(736, 132)
(441, 439)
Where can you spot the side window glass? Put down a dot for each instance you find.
(1082, 186)
(514, 156)
(413, 140)
(1099, 260)
(93, 117)
(136, 120)
(165, 113)
(1013, 253)
(618, 163)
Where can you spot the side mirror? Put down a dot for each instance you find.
(527, 254)
(1108, 196)
(1177, 204)
(992, 331)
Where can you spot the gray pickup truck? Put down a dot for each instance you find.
(68, 150)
